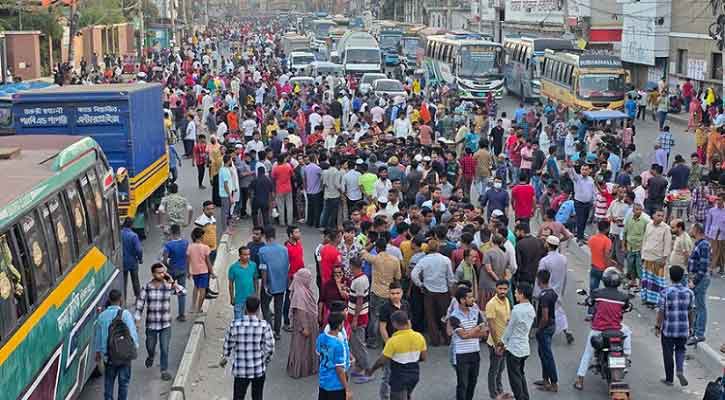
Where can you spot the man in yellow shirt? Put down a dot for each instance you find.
(498, 313)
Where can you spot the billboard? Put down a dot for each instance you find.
(534, 11)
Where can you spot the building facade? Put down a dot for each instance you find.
(693, 53)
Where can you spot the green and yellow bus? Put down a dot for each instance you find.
(59, 251)
(583, 81)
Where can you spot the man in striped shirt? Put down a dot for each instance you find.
(468, 326)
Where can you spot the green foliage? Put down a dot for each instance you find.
(100, 12)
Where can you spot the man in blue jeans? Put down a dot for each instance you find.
(547, 326)
(697, 269)
(156, 298)
(174, 256)
(113, 371)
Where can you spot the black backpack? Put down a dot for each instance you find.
(121, 347)
(714, 389)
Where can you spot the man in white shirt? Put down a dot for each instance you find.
(315, 119)
(401, 126)
(189, 135)
(377, 113)
(221, 130)
(255, 144)
(249, 125)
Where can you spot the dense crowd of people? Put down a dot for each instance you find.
(443, 223)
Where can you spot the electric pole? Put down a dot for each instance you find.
(72, 28)
(142, 30)
(717, 31)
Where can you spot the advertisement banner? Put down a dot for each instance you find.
(534, 11)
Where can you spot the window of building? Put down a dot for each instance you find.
(716, 69)
(681, 61)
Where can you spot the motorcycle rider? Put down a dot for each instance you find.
(609, 306)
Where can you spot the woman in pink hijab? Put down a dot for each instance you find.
(302, 360)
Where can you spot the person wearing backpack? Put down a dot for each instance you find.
(114, 328)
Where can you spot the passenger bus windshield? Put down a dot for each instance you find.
(410, 45)
(323, 30)
(363, 56)
(477, 61)
(301, 60)
(601, 86)
(389, 41)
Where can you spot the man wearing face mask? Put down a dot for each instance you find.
(496, 198)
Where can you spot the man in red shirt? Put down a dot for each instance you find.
(468, 171)
(282, 178)
(329, 256)
(600, 246)
(296, 262)
(523, 200)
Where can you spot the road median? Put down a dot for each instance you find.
(197, 338)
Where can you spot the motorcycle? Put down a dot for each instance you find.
(609, 360)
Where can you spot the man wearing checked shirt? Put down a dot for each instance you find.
(673, 323)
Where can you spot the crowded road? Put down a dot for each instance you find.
(437, 376)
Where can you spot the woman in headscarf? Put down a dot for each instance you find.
(302, 359)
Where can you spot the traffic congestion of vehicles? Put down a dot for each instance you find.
(468, 63)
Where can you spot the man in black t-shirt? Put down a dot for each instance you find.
(546, 327)
(395, 303)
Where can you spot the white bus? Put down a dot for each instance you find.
(467, 63)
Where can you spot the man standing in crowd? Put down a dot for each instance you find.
(674, 318)
(295, 252)
(402, 353)
(656, 247)
(274, 266)
(250, 345)
(334, 361)
(498, 313)
(387, 329)
(156, 299)
(114, 368)
(634, 226)
(545, 315)
(132, 257)
(584, 194)
(698, 265)
(516, 340)
(385, 270)
(243, 279)
(434, 275)
(468, 327)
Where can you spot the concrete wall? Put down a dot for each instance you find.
(23, 53)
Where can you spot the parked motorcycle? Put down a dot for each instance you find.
(609, 360)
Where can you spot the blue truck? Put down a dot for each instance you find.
(125, 119)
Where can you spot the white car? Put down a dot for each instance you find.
(367, 80)
(391, 87)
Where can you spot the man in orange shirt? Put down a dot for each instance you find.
(601, 248)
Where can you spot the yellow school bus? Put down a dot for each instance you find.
(583, 81)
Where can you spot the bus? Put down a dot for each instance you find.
(389, 40)
(320, 32)
(465, 63)
(522, 67)
(583, 81)
(409, 44)
(59, 256)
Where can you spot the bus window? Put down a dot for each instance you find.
(78, 219)
(35, 255)
(61, 227)
(90, 202)
(97, 195)
(51, 246)
(12, 292)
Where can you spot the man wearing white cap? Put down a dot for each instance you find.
(555, 263)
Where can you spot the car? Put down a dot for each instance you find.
(366, 82)
(391, 87)
(302, 81)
